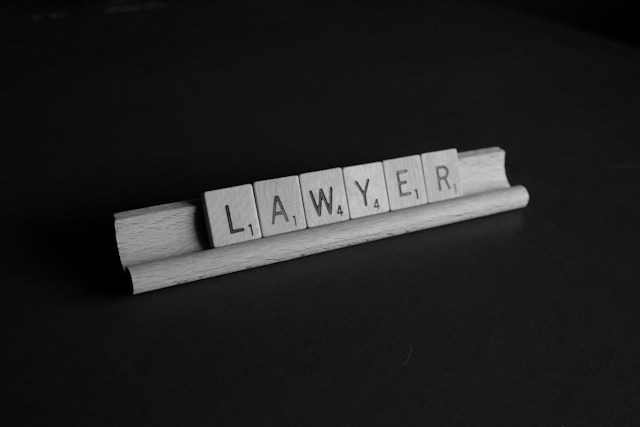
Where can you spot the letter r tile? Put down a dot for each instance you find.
(366, 189)
(280, 206)
(405, 182)
(441, 175)
(231, 215)
(324, 197)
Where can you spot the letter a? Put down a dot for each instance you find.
(276, 203)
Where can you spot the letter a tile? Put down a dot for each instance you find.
(231, 215)
(405, 182)
(441, 175)
(324, 196)
(366, 189)
(279, 205)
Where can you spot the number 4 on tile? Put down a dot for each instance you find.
(324, 196)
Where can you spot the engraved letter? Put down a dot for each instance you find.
(277, 202)
(318, 205)
(231, 229)
(400, 182)
(364, 192)
(442, 177)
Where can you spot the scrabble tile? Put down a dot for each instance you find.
(231, 215)
(441, 175)
(366, 189)
(405, 182)
(324, 197)
(280, 207)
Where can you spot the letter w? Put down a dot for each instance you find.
(323, 199)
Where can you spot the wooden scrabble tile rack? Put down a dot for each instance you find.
(168, 245)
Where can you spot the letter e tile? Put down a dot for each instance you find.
(366, 189)
(231, 215)
(405, 182)
(324, 197)
(280, 205)
(441, 175)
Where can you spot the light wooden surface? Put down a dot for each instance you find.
(482, 170)
(324, 197)
(232, 215)
(441, 175)
(176, 270)
(405, 182)
(161, 231)
(173, 229)
(366, 189)
(280, 208)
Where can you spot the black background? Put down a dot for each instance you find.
(528, 317)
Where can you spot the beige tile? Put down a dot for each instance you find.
(441, 175)
(405, 182)
(231, 215)
(280, 207)
(366, 189)
(324, 197)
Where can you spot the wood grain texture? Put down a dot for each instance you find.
(232, 215)
(172, 229)
(441, 175)
(160, 231)
(405, 182)
(366, 189)
(324, 197)
(180, 269)
(280, 206)
(482, 170)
